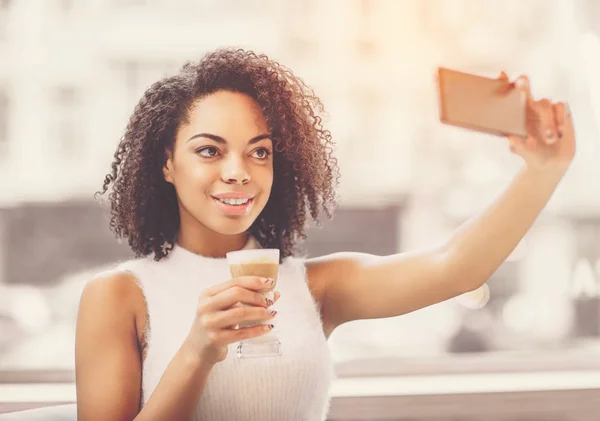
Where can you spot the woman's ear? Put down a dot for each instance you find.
(168, 168)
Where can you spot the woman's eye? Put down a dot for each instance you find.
(262, 153)
(208, 152)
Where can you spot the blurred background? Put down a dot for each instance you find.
(72, 71)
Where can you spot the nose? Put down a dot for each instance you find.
(235, 171)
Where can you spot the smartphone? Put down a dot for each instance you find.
(479, 103)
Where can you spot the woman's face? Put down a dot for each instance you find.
(222, 163)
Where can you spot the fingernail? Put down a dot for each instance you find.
(273, 313)
(268, 327)
(268, 280)
(277, 295)
(549, 134)
(521, 83)
(269, 302)
(560, 134)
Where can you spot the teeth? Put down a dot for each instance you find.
(235, 202)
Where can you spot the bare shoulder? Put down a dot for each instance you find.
(115, 284)
(118, 287)
(108, 350)
(117, 291)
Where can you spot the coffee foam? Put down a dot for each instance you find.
(253, 256)
(259, 260)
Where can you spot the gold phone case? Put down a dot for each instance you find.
(480, 103)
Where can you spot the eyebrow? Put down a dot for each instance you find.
(222, 140)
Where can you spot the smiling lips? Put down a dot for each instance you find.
(234, 204)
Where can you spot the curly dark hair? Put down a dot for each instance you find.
(143, 206)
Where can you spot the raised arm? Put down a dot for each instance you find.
(360, 286)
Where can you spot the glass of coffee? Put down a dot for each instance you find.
(263, 263)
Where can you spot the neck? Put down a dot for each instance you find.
(215, 245)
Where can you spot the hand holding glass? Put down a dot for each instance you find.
(263, 263)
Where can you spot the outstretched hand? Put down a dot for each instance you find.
(550, 142)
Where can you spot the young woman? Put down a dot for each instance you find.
(229, 154)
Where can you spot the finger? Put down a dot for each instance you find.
(229, 336)
(523, 85)
(506, 86)
(516, 145)
(521, 146)
(235, 316)
(256, 283)
(232, 296)
(559, 118)
(269, 302)
(547, 128)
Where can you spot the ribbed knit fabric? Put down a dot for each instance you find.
(290, 387)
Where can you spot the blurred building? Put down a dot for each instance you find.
(72, 71)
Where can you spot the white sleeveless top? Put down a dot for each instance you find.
(290, 387)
